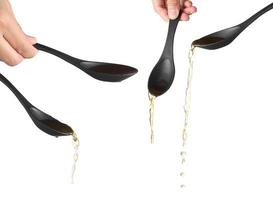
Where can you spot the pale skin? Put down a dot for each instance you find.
(15, 45)
(169, 9)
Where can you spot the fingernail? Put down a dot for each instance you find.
(173, 14)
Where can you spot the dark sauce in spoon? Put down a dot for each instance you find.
(107, 68)
(207, 40)
(117, 69)
(58, 126)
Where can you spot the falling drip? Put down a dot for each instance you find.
(76, 144)
(151, 117)
(186, 112)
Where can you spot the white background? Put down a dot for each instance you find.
(230, 136)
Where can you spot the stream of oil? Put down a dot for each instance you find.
(186, 112)
(151, 116)
(76, 145)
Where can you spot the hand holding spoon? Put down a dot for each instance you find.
(101, 71)
(162, 76)
(43, 121)
(225, 37)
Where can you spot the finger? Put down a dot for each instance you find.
(185, 17)
(8, 54)
(18, 40)
(189, 10)
(160, 8)
(163, 13)
(187, 4)
(194, 9)
(159, 3)
(173, 7)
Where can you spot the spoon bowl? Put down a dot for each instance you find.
(219, 39)
(108, 72)
(48, 124)
(43, 121)
(161, 77)
(224, 37)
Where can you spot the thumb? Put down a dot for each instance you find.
(173, 7)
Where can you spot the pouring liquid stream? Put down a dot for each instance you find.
(76, 145)
(187, 112)
(151, 116)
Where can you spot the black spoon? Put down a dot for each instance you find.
(225, 37)
(102, 71)
(162, 76)
(43, 121)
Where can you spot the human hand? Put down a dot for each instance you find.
(15, 45)
(169, 9)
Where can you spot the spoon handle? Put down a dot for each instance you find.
(256, 16)
(67, 58)
(27, 105)
(168, 49)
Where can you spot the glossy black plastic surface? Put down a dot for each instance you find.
(43, 121)
(101, 71)
(162, 75)
(225, 37)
